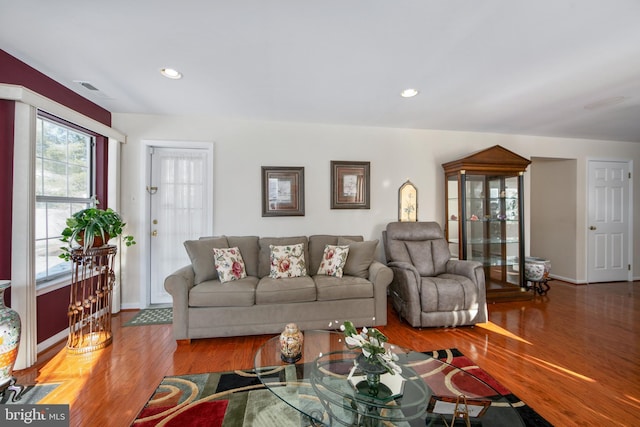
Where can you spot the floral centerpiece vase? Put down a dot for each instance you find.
(374, 360)
(372, 370)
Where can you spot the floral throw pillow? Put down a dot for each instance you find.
(333, 260)
(229, 264)
(287, 261)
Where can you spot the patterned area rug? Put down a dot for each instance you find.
(152, 316)
(31, 394)
(235, 399)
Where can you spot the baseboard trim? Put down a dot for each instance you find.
(568, 280)
(50, 342)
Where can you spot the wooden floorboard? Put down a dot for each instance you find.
(573, 356)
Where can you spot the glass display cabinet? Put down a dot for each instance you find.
(484, 218)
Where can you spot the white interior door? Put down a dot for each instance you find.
(608, 221)
(179, 199)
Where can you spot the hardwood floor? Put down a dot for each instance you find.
(574, 356)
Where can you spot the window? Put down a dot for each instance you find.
(65, 183)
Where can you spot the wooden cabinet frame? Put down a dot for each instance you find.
(484, 206)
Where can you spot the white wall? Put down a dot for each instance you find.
(554, 211)
(242, 147)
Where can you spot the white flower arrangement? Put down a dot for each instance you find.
(371, 342)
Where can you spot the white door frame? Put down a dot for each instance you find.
(145, 201)
(630, 214)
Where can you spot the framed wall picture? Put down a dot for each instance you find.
(282, 191)
(350, 188)
(408, 202)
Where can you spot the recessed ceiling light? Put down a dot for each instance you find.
(171, 73)
(409, 93)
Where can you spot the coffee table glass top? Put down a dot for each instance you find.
(319, 385)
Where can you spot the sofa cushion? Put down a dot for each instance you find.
(264, 256)
(201, 255)
(317, 243)
(249, 249)
(333, 260)
(212, 293)
(229, 264)
(361, 255)
(347, 287)
(288, 290)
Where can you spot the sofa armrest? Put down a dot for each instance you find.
(178, 284)
(405, 292)
(381, 276)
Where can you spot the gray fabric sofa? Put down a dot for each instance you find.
(203, 307)
(429, 288)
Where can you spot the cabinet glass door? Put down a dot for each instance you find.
(503, 231)
(475, 219)
(453, 216)
(483, 224)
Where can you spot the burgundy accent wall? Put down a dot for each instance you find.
(51, 307)
(13, 71)
(7, 118)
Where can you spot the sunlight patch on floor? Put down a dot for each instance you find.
(550, 366)
(631, 401)
(490, 326)
(559, 368)
(73, 371)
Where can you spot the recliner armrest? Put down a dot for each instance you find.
(405, 266)
(465, 268)
(405, 291)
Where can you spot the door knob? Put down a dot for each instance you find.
(592, 227)
(154, 233)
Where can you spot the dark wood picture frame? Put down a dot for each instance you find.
(350, 185)
(282, 191)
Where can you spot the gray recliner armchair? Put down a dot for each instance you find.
(429, 289)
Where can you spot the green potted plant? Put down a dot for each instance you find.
(92, 227)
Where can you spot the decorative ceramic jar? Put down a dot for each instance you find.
(9, 338)
(536, 269)
(291, 340)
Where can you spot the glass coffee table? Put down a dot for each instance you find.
(324, 387)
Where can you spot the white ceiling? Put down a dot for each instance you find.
(506, 66)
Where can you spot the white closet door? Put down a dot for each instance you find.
(608, 227)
